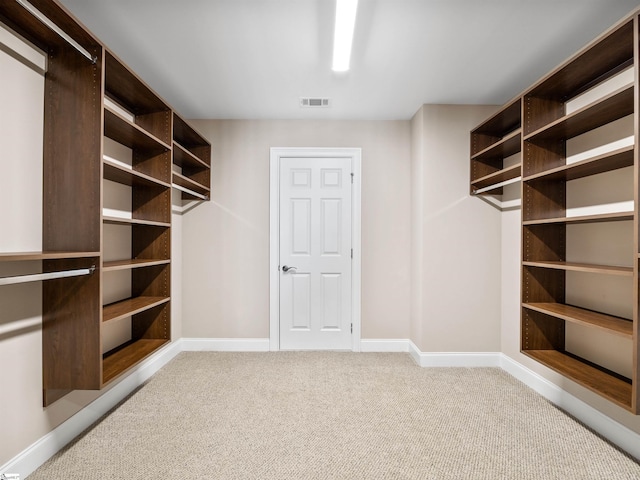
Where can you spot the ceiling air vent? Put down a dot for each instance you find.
(309, 102)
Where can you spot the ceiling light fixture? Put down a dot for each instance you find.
(343, 35)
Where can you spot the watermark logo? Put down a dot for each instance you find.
(9, 476)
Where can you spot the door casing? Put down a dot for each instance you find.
(355, 154)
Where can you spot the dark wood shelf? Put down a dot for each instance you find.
(497, 129)
(604, 383)
(131, 264)
(28, 256)
(190, 184)
(611, 107)
(606, 162)
(134, 221)
(603, 217)
(582, 267)
(500, 176)
(509, 145)
(130, 306)
(127, 176)
(127, 89)
(609, 323)
(123, 358)
(131, 135)
(601, 59)
(186, 135)
(184, 158)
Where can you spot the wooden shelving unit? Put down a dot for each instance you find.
(550, 122)
(146, 130)
(191, 160)
(541, 124)
(492, 142)
(90, 94)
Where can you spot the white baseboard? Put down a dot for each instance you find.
(225, 344)
(35, 455)
(384, 345)
(32, 457)
(616, 433)
(454, 359)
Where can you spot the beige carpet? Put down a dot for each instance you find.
(334, 416)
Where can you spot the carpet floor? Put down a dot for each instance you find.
(319, 415)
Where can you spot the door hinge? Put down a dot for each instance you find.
(352, 254)
(352, 328)
(352, 175)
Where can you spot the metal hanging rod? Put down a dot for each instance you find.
(45, 20)
(190, 192)
(36, 277)
(497, 185)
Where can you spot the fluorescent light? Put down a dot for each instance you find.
(343, 35)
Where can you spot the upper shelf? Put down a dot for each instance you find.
(507, 146)
(131, 135)
(612, 107)
(184, 158)
(128, 89)
(598, 61)
(606, 162)
(130, 177)
(497, 128)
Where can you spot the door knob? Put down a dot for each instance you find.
(286, 269)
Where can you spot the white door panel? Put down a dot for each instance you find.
(315, 239)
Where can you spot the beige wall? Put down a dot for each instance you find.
(226, 241)
(455, 238)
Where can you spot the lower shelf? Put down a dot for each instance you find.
(130, 306)
(121, 359)
(609, 385)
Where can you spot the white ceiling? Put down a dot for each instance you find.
(256, 58)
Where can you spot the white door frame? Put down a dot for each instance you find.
(274, 234)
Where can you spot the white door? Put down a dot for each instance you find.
(315, 253)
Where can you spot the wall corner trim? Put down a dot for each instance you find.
(454, 359)
(225, 344)
(381, 345)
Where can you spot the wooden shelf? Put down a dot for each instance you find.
(131, 264)
(126, 176)
(190, 184)
(184, 158)
(503, 175)
(509, 145)
(612, 107)
(584, 373)
(582, 267)
(127, 89)
(603, 58)
(134, 221)
(186, 135)
(614, 325)
(28, 256)
(498, 129)
(131, 135)
(130, 306)
(603, 217)
(123, 358)
(614, 160)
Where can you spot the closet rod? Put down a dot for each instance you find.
(45, 20)
(36, 277)
(190, 192)
(497, 185)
